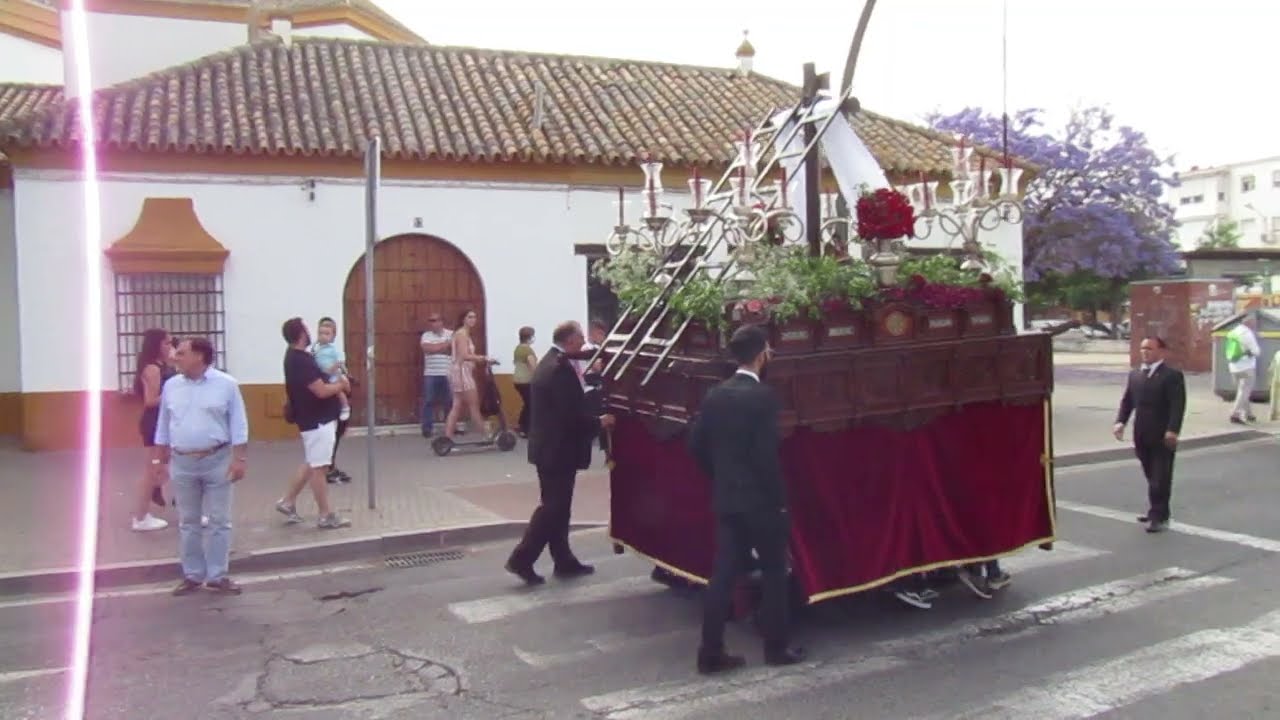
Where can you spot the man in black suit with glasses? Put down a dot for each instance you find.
(1156, 396)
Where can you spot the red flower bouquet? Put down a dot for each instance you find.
(885, 214)
(918, 289)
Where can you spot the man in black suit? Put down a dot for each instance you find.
(561, 427)
(1157, 396)
(735, 440)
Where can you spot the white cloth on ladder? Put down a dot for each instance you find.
(850, 160)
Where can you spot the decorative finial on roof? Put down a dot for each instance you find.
(746, 54)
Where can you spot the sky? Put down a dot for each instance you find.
(1193, 76)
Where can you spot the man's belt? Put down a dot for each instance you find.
(197, 454)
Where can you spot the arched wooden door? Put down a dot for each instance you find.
(414, 275)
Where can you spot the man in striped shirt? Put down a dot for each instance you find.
(436, 394)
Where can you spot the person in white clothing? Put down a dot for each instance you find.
(437, 396)
(1242, 360)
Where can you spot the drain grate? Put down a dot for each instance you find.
(422, 559)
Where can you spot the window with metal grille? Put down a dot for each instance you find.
(184, 305)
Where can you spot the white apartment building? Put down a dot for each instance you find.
(1246, 192)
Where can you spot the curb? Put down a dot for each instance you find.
(367, 548)
(1125, 451)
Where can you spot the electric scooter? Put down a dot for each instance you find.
(490, 404)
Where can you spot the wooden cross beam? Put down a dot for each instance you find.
(813, 84)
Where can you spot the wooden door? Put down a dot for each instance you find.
(414, 275)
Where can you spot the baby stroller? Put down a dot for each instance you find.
(490, 405)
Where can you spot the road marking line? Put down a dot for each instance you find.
(1118, 682)
(504, 606)
(1063, 552)
(601, 645)
(20, 675)
(166, 588)
(670, 701)
(1257, 543)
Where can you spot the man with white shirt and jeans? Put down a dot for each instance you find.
(202, 443)
(1242, 359)
(437, 343)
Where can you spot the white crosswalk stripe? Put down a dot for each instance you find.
(1122, 681)
(494, 608)
(500, 607)
(1251, 541)
(504, 606)
(683, 699)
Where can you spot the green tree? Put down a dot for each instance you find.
(1222, 234)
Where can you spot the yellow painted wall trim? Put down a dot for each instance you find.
(55, 420)
(168, 238)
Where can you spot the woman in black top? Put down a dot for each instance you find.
(153, 369)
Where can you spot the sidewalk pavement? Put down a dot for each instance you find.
(424, 501)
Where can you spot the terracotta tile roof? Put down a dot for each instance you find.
(18, 99)
(319, 96)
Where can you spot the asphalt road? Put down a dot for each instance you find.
(1113, 623)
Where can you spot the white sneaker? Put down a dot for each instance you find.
(149, 522)
(204, 521)
(345, 415)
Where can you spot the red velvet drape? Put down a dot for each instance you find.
(867, 504)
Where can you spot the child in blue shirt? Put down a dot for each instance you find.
(331, 360)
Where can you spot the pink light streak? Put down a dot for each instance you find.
(78, 682)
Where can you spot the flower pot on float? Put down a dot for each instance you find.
(842, 327)
(701, 340)
(979, 318)
(939, 323)
(793, 335)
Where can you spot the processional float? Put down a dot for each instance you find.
(917, 420)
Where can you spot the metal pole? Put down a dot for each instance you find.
(855, 48)
(812, 176)
(372, 178)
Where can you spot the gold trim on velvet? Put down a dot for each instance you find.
(665, 566)
(167, 238)
(1046, 459)
(829, 594)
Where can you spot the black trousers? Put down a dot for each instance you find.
(1157, 466)
(549, 526)
(522, 424)
(342, 430)
(768, 533)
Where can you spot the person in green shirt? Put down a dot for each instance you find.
(525, 361)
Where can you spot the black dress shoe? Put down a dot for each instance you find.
(719, 662)
(1157, 526)
(1144, 518)
(524, 573)
(786, 656)
(574, 571)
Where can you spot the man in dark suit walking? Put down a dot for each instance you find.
(561, 428)
(735, 440)
(1157, 397)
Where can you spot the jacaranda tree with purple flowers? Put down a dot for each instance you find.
(1093, 213)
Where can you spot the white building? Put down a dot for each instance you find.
(1247, 193)
(232, 197)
